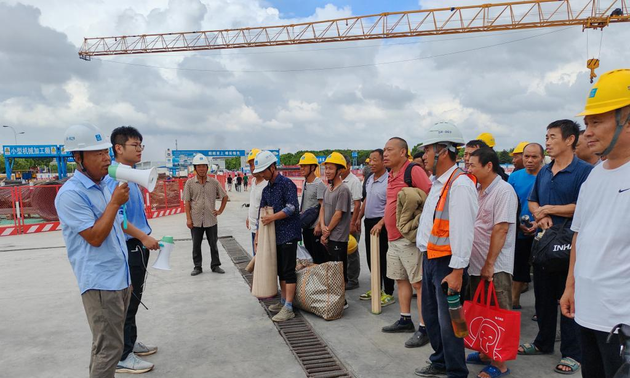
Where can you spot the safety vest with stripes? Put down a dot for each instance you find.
(439, 244)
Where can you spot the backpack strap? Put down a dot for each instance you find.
(407, 177)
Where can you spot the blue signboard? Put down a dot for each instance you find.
(321, 159)
(31, 151)
(184, 157)
(354, 154)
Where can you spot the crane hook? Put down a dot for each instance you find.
(592, 64)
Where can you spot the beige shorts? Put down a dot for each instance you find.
(404, 261)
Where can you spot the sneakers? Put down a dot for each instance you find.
(345, 305)
(284, 315)
(218, 269)
(417, 340)
(196, 271)
(430, 371)
(133, 365)
(399, 328)
(366, 296)
(387, 300)
(141, 349)
(276, 307)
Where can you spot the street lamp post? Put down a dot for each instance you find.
(15, 133)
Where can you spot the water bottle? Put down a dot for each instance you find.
(458, 320)
(526, 221)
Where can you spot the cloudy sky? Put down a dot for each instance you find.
(513, 84)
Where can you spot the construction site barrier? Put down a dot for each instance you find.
(31, 209)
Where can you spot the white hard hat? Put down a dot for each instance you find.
(444, 133)
(199, 159)
(85, 137)
(263, 161)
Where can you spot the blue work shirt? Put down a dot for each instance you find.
(376, 196)
(281, 194)
(523, 182)
(80, 203)
(561, 189)
(135, 207)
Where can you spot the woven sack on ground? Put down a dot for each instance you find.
(321, 290)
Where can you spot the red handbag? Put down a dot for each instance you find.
(491, 330)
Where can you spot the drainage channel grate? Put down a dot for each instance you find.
(313, 354)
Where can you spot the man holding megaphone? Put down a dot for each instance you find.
(88, 210)
(128, 147)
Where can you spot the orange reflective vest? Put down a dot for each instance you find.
(439, 244)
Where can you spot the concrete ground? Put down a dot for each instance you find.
(206, 326)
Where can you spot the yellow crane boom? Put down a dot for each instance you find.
(417, 23)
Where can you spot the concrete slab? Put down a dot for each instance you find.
(208, 325)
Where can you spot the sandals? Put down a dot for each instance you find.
(493, 372)
(529, 350)
(475, 359)
(570, 363)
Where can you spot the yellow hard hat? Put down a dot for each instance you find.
(409, 157)
(367, 160)
(611, 92)
(487, 138)
(519, 148)
(308, 159)
(336, 158)
(352, 245)
(252, 154)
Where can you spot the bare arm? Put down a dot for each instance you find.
(96, 234)
(146, 240)
(322, 224)
(567, 302)
(334, 221)
(542, 221)
(565, 211)
(224, 202)
(189, 222)
(497, 241)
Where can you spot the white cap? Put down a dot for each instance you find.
(443, 133)
(85, 137)
(263, 161)
(199, 159)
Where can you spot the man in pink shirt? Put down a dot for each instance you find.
(404, 260)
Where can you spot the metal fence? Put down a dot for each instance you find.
(30, 209)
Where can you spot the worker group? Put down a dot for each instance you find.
(447, 229)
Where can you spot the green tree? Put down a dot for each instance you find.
(233, 164)
(504, 157)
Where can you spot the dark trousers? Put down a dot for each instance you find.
(448, 350)
(387, 283)
(197, 237)
(138, 261)
(548, 289)
(314, 247)
(600, 359)
(338, 251)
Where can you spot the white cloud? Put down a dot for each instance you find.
(206, 100)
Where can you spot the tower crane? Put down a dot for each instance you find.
(528, 14)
